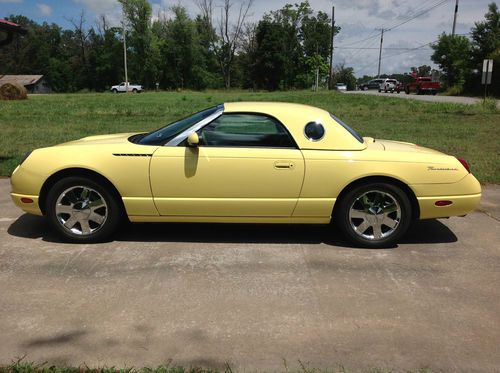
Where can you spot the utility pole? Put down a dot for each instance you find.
(330, 75)
(455, 19)
(125, 53)
(380, 52)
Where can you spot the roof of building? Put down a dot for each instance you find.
(20, 79)
(11, 26)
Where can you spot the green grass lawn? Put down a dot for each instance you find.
(471, 132)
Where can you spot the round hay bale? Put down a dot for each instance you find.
(13, 91)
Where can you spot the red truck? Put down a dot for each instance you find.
(423, 85)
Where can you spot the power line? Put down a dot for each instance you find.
(398, 54)
(418, 15)
(367, 48)
(414, 16)
(360, 41)
(376, 35)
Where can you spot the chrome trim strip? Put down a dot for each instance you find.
(197, 126)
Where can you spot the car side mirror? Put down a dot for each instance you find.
(193, 140)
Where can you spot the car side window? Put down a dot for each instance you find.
(246, 130)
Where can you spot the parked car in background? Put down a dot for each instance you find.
(341, 87)
(131, 88)
(423, 85)
(389, 85)
(372, 84)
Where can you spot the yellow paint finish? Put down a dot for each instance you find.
(215, 181)
(30, 208)
(128, 173)
(465, 186)
(230, 219)
(310, 207)
(140, 206)
(462, 205)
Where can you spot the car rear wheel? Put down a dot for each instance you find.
(82, 210)
(374, 215)
(115, 90)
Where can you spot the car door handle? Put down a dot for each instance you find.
(283, 165)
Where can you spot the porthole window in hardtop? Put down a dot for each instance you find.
(314, 131)
(246, 130)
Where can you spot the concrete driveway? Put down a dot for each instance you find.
(253, 296)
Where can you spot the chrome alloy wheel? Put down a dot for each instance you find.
(375, 215)
(81, 210)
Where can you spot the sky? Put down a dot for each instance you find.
(359, 21)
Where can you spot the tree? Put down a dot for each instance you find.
(345, 75)
(224, 37)
(451, 53)
(291, 44)
(424, 70)
(486, 45)
(138, 14)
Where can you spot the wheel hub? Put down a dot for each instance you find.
(81, 210)
(375, 215)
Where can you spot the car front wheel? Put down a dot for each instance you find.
(82, 210)
(374, 215)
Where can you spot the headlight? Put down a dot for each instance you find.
(25, 157)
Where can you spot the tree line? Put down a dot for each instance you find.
(460, 57)
(283, 50)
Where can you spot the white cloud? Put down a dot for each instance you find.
(99, 6)
(44, 9)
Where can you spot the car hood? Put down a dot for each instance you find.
(399, 146)
(118, 138)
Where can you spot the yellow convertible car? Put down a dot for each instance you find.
(244, 162)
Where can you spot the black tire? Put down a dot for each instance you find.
(407, 90)
(418, 91)
(134, 90)
(114, 90)
(434, 93)
(389, 235)
(112, 216)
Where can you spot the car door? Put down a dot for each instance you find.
(245, 165)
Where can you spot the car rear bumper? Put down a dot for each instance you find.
(464, 196)
(460, 206)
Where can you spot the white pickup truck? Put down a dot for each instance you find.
(131, 88)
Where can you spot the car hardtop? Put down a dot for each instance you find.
(295, 117)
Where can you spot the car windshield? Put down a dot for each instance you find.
(167, 133)
(349, 129)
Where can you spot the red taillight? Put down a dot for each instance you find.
(464, 163)
(26, 200)
(443, 203)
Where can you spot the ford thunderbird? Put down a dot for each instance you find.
(244, 162)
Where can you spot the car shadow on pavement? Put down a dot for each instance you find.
(421, 232)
